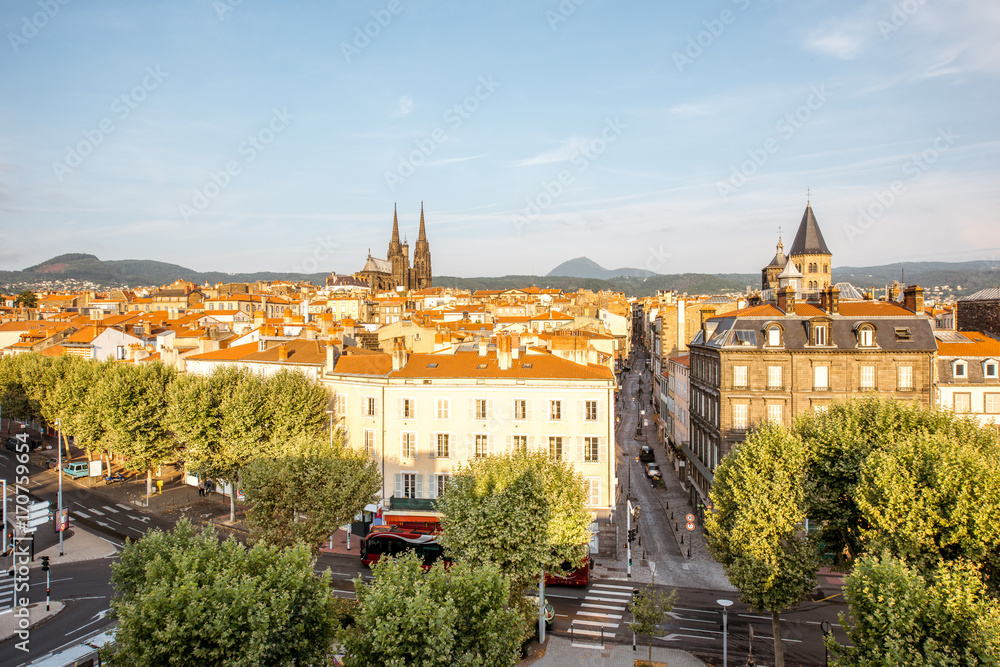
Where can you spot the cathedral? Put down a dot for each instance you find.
(808, 264)
(395, 270)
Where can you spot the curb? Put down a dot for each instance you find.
(39, 622)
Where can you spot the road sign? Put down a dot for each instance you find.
(62, 519)
(37, 512)
(689, 518)
(690, 525)
(34, 523)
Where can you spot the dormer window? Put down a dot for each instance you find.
(866, 335)
(991, 369)
(959, 369)
(903, 333)
(819, 332)
(773, 332)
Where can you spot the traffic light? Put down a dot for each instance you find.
(635, 513)
(45, 563)
(631, 534)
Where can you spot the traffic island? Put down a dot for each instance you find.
(21, 621)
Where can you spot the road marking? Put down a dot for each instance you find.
(676, 635)
(598, 599)
(602, 606)
(110, 509)
(79, 513)
(599, 623)
(596, 613)
(124, 507)
(624, 588)
(836, 625)
(565, 597)
(599, 647)
(702, 611)
(135, 530)
(97, 511)
(620, 594)
(766, 618)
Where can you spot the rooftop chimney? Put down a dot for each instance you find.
(913, 299)
(786, 299)
(282, 352)
(503, 352)
(399, 355)
(833, 301)
(483, 345)
(331, 358)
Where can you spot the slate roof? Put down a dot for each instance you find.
(809, 239)
(988, 294)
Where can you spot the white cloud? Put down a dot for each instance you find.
(566, 151)
(403, 107)
(453, 160)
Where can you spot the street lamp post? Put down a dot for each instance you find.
(825, 626)
(725, 646)
(59, 495)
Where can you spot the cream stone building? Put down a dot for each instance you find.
(422, 415)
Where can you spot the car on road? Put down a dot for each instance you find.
(550, 612)
(646, 454)
(653, 472)
(77, 470)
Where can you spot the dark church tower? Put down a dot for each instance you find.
(422, 257)
(398, 256)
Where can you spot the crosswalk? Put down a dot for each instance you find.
(6, 592)
(600, 615)
(111, 516)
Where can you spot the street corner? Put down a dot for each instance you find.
(18, 623)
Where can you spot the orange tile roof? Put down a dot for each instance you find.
(980, 345)
(763, 310)
(53, 351)
(228, 354)
(467, 365)
(873, 309)
(682, 359)
(378, 363)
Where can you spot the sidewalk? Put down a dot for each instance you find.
(562, 652)
(80, 544)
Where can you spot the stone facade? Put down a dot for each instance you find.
(979, 312)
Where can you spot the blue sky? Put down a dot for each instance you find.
(675, 136)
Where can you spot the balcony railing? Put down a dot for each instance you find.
(421, 504)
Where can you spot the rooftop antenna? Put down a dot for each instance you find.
(807, 197)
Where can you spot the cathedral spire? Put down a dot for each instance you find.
(395, 247)
(423, 232)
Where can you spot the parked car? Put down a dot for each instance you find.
(77, 470)
(653, 472)
(550, 612)
(646, 454)
(51, 463)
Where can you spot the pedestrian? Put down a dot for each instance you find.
(201, 488)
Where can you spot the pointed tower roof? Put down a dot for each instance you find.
(790, 271)
(809, 240)
(395, 225)
(422, 236)
(780, 259)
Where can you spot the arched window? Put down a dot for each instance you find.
(826, 268)
(866, 335)
(773, 332)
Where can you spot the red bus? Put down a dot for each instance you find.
(578, 577)
(394, 541)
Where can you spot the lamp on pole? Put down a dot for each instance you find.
(825, 626)
(59, 495)
(725, 646)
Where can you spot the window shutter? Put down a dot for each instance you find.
(470, 446)
(402, 445)
(399, 485)
(432, 449)
(432, 486)
(579, 448)
(489, 408)
(509, 443)
(581, 410)
(399, 408)
(489, 444)
(602, 451)
(472, 409)
(600, 410)
(527, 408)
(416, 446)
(420, 486)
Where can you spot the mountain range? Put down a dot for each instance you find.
(579, 273)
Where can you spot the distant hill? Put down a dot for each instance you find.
(133, 273)
(80, 267)
(582, 267)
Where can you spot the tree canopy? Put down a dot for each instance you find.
(307, 492)
(407, 616)
(756, 529)
(184, 598)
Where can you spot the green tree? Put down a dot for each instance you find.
(842, 438)
(522, 512)
(649, 610)
(755, 529)
(133, 398)
(931, 497)
(307, 492)
(901, 616)
(26, 299)
(407, 616)
(15, 398)
(184, 598)
(297, 406)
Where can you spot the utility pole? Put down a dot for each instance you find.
(45, 569)
(59, 498)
